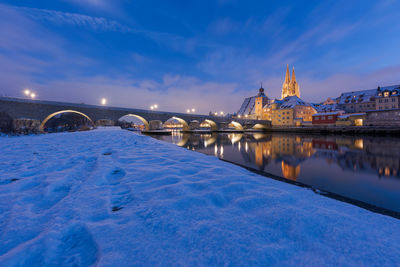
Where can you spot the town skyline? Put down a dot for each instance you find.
(83, 51)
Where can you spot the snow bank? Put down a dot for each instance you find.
(111, 197)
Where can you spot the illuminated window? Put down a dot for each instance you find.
(386, 94)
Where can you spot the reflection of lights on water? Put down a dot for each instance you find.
(246, 147)
(216, 150)
(221, 152)
(239, 146)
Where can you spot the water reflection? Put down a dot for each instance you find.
(362, 168)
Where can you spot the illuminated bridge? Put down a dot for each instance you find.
(44, 110)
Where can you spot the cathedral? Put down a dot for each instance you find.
(290, 110)
(290, 87)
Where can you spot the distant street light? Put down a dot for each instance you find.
(188, 110)
(103, 101)
(222, 113)
(155, 106)
(239, 116)
(193, 110)
(33, 95)
(27, 92)
(152, 107)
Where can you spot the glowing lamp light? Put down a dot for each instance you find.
(152, 107)
(103, 101)
(27, 92)
(222, 113)
(193, 110)
(155, 106)
(33, 95)
(239, 116)
(188, 110)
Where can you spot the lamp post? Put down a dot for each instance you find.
(103, 101)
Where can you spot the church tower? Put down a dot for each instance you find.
(260, 101)
(286, 84)
(294, 85)
(290, 87)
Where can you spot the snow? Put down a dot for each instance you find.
(292, 101)
(112, 197)
(326, 113)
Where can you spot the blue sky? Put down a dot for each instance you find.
(202, 54)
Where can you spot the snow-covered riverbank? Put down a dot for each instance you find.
(111, 197)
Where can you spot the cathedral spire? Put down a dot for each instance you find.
(287, 77)
(293, 76)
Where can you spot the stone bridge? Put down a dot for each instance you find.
(44, 110)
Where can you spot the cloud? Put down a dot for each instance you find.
(62, 18)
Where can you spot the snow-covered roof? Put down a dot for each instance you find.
(394, 89)
(327, 113)
(292, 101)
(247, 106)
(357, 96)
(344, 116)
(364, 95)
(325, 108)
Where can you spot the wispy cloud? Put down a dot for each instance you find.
(59, 17)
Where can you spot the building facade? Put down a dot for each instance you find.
(288, 111)
(388, 98)
(328, 118)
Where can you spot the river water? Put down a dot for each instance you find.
(362, 168)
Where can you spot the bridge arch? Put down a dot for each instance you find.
(145, 122)
(259, 126)
(236, 125)
(213, 125)
(41, 127)
(185, 125)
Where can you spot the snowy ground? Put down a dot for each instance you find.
(111, 197)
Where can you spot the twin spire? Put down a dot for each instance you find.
(287, 77)
(290, 86)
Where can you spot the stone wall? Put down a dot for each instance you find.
(383, 118)
(26, 126)
(5, 123)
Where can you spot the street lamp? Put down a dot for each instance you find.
(222, 113)
(103, 101)
(33, 95)
(155, 106)
(193, 110)
(27, 92)
(188, 110)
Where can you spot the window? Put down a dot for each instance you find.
(386, 100)
(316, 118)
(287, 117)
(393, 106)
(330, 117)
(323, 118)
(393, 99)
(380, 100)
(386, 94)
(380, 107)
